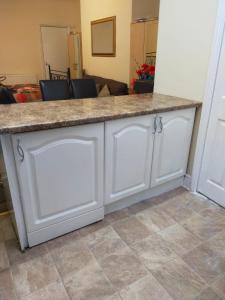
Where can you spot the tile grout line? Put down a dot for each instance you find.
(207, 285)
(62, 281)
(105, 275)
(118, 291)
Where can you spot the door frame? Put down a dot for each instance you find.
(209, 93)
(42, 49)
(74, 33)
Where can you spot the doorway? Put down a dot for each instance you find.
(55, 50)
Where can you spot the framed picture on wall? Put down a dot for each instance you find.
(103, 37)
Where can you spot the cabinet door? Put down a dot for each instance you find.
(137, 47)
(128, 156)
(151, 34)
(172, 144)
(61, 176)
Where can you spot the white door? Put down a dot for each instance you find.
(55, 48)
(212, 176)
(172, 144)
(128, 156)
(61, 176)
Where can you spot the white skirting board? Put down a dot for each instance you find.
(150, 193)
(55, 230)
(187, 182)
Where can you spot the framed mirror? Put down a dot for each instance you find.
(103, 37)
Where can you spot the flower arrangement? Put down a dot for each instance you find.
(146, 72)
(27, 94)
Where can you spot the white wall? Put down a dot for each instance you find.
(184, 46)
(111, 67)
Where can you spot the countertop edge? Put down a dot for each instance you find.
(70, 123)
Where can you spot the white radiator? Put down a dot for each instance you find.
(19, 79)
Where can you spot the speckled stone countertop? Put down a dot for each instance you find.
(26, 117)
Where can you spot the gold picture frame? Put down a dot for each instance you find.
(103, 37)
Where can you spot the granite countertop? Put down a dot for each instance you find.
(27, 117)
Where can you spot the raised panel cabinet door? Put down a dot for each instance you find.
(60, 173)
(172, 145)
(128, 156)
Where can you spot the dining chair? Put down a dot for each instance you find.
(83, 88)
(6, 96)
(55, 89)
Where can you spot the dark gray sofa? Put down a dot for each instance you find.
(116, 88)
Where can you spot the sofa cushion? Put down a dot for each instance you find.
(116, 88)
(104, 91)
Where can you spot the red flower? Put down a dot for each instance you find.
(21, 97)
(139, 72)
(152, 68)
(144, 66)
(146, 71)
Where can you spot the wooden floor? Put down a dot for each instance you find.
(170, 247)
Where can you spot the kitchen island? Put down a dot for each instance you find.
(69, 162)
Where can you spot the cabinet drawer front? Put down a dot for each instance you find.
(128, 146)
(62, 173)
(171, 147)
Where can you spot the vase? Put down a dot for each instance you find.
(143, 86)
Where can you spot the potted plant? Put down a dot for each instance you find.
(145, 81)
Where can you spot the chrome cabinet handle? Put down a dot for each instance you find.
(155, 125)
(160, 125)
(20, 151)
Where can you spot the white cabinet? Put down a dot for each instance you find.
(171, 145)
(137, 159)
(60, 174)
(128, 156)
(64, 173)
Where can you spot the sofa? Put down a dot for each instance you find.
(116, 88)
(32, 93)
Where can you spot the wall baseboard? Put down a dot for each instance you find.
(187, 185)
(187, 182)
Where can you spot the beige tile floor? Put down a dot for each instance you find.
(169, 247)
